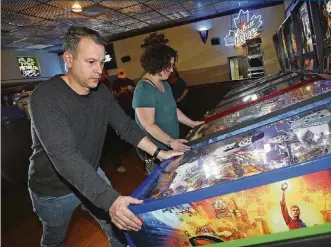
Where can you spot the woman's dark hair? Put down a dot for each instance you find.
(157, 58)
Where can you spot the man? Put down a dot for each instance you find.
(123, 91)
(69, 117)
(293, 222)
(179, 89)
(104, 79)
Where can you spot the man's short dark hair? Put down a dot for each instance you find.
(75, 33)
(157, 58)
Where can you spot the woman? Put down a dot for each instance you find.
(155, 108)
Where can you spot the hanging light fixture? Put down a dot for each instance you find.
(76, 7)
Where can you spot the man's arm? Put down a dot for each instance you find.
(132, 133)
(53, 130)
(182, 96)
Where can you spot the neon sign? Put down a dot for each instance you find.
(29, 66)
(248, 29)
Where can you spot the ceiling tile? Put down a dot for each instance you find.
(171, 9)
(195, 4)
(204, 9)
(95, 9)
(38, 46)
(19, 44)
(118, 4)
(137, 25)
(56, 41)
(67, 5)
(118, 30)
(69, 16)
(204, 13)
(17, 6)
(135, 9)
(105, 28)
(92, 23)
(159, 4)
(178, 15)
(112, 16)
(158, 20)
(44, 11)
(125, 22)
(5, 40)
(226, 6)
(147, 15)
(188, 18)
(248, 3)
(30, 31)
(22, 20)
(8, 27)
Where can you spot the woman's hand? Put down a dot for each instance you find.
(164, 155)
(178, 145)
(196, 123)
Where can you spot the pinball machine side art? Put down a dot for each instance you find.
(298, 202)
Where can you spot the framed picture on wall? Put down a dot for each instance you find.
(110, 62)
(29, 66)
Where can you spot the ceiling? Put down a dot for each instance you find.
(40, 25)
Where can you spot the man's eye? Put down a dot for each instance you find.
(91, 62)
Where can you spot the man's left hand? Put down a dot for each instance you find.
(122, 217)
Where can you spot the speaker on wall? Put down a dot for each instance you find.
(215, 41)
(126, 59)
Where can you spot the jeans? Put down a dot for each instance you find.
(55, 214)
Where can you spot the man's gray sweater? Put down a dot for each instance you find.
(68, 132)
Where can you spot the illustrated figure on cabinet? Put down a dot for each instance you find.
(293, 222)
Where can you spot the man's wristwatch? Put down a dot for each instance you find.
(157, 151)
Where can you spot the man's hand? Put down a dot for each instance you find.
(164, 155)
(196, 123)
(122, 217)
(178, 145)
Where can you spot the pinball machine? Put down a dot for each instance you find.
(259, 173)
(268, 107)
(300, 49)
(242, 188)
(295, 51)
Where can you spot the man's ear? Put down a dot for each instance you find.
(67, 57)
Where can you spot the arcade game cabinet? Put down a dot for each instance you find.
(293, 48)
(268, 182)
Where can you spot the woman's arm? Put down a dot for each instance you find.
(182, 118)
(146, 117)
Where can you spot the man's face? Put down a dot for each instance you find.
(87, 64)
(295, 211)
(164, 75)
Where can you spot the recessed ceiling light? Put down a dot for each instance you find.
(76, 7)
